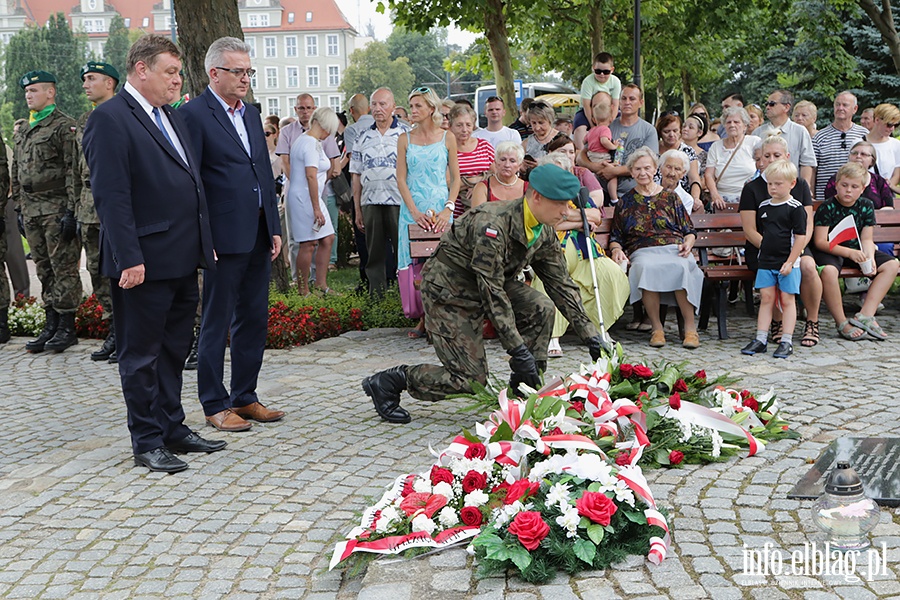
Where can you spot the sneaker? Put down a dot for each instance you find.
(784, 350)
(755, 347)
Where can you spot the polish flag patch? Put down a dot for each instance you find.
(491, 233)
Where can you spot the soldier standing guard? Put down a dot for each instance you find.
(99, 84)
(473, 276)
(43, 187)
(4, 284)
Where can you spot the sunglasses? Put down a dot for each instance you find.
(773, 103)
(419, 90)
(892, 124)
(270, 133)
(844, 140)
(602, 71)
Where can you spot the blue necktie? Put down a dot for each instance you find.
(159, 124)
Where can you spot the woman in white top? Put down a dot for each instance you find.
(886, 118)
(310, 223)
(730, 163)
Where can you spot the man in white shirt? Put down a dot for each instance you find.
(358, 107)
(832, 144)
(496, 132)
(778, 109)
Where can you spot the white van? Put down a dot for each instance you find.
(529, 90)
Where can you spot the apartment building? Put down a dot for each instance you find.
(296, 45)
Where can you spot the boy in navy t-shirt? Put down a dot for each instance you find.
(783, 228)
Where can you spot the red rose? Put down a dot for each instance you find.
(439, 474)
(578, 406)
(474, 481)
(597, 507)
(530, 528)
(751, 403)
(700, 375)
(622, 459)
(555, 431)
(502, 486)
(675, 457)
(643, 372)
(680, 386)
(476, 451)
(520, 490)
(675, 400)
(746, 394)
(471, 516)
(626, 370)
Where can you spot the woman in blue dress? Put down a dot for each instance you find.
(428, 179)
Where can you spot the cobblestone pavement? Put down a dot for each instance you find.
(259, 520)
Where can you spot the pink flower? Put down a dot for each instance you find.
(597, 507)
(520, 490)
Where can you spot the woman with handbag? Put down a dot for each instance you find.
(730, 163)
(428, 180)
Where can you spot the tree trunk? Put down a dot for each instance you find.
(495, 31)
(884, 21)
(685, 92)
(596, 19)
(660, 95)
(200, 23)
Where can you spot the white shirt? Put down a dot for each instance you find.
(236, 116)
(148, 108)
(495, 138)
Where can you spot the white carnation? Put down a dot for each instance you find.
(423, 523)
(476, 498)
(448, 517)
(444, 489)
(388, 517)
(422, 486)
(591, 466)
(716, 443)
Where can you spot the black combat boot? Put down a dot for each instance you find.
(37, 345)
(4, 326)
(65, 334)
(191, 363)
(109, 345)
(384, 388)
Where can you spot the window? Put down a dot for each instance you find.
(317, 100)
(145, 22)
(293, 77)
(253, 81)
(251, 41)
(312, 45)
(290, 17)
(334, 76)
(271, 77)
(312, 77)
(269, 45)
(273, 106)
(169, 23)
(290, 46)
(93, 25)
(258, 20)
(127, 22)
(335, 103)
(309, 17)
(332, 41)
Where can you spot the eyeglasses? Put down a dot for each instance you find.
(239, 72)
(539, 104)
(858, 153)
(270, 133)
(602, 71)
(445, 115)
(771, 103)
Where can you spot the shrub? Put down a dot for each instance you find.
(89, 321)
(26, 316)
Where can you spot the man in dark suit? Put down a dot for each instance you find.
(154, 234)
(228, 140)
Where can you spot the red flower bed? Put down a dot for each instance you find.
(296, 326)
(89, 321)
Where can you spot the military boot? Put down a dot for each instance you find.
(37, 345)
(4, 326)
(384, 388)
(65, 334)
(109, 345)
(191, 363)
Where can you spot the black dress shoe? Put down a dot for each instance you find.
(160, 459)
(194, 443)
(754, 347)
(784, 350)
(384, 388)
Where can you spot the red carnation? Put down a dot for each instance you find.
(530, 528)
(471, 516)
(622, 459)
(439, 474)
(680, 386)
(578, 406)
(675, 401)
(751, 403)
(597, 507)
(700, 375)
(643, 372)
(520, 490)
(626, 370)
(476, 451)
(474, 481)
(675, 457)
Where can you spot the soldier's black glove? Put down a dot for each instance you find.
(524, 369)
(597, 346)
(20, 222)
(68, 227)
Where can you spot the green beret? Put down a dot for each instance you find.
(100, 67)
(554, 183)
(36, 77)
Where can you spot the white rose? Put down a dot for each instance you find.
(448, 517)
(423, 523)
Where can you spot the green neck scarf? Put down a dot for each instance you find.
(36, 116)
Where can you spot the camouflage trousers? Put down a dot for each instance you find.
(56, 263)
(90, 239)
(456, 324)
(4, 284)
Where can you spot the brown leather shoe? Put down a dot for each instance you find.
(258, 412)
(227, 420)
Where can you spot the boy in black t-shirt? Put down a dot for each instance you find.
(782, 224)
(850, 182)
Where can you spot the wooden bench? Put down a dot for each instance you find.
(422, 243)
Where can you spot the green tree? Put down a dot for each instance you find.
(200, 23)
(116, 48)
(371, 68)
(54, 48)
(425, 52)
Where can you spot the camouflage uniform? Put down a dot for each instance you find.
(90, 223)
(5, 295)
(473, 276)
(44, 187)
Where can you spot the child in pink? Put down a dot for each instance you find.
(600, 147)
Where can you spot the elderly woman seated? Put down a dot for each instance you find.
(504, 183)
(611, 281)
(673, 166)
(653, 232)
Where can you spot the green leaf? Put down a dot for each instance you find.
(662, 456)
(653, 419)
(520, 556)
(504, 433)
(500, 552)
(740, 417)
(529, 407)
(668, 377)
(595, 532)
(487, 540)
(624, 389)
(585, 550)
(584, 522)
(594, 487)
(636, 517)
(470, 436)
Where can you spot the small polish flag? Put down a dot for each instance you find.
(843, 232)
(491, 233)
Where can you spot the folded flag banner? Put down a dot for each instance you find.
(843, 232)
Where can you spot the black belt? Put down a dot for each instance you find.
(34, 188)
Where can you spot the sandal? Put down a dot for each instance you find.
(633, 325)
(775, 332)
(554, 350)
(870, 325)
(810, 334)
(854, 335)
(645, 326)
(416, 334)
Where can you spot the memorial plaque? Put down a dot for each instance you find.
(875, 459)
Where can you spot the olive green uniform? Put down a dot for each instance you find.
(473, 276)
(90, 223)
(44, 187)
